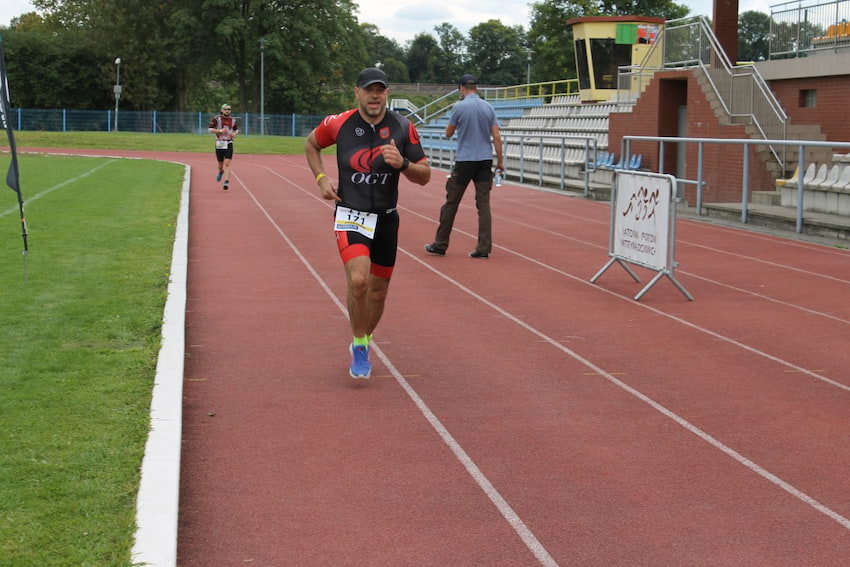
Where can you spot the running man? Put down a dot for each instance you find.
(225, 128)
(374, 146)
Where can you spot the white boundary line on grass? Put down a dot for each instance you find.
(57, 186)
(158, 499)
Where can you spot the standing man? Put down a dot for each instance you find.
(475, 122)
(374, 146)
(225, 128)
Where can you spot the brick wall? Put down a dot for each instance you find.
(831, 110)
(655, 114)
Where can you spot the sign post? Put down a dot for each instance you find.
(643, 226)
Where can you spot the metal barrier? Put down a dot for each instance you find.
(527, 151)
(156, 122)
(545, 91)
(800, 27)
(745, 190)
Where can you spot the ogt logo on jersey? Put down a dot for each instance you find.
(362, 161)
(370, 178)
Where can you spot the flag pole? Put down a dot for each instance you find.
(12, 177)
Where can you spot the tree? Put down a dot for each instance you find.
(657, 8)
(753, 36)
(111, 29)
(53, 70)
(551, 40)
(386, 53)
(497, 54)
(422, 53)
(451, 56)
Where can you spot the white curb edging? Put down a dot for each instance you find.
(159, 489)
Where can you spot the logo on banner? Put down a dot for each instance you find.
(642, 225)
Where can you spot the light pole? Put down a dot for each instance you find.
(117, 88)
(262, 86)
(528, 68)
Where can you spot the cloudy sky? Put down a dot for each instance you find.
(403, 19)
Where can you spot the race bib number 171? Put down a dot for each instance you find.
(352, 220)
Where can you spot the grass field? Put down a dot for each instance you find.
(79, 336)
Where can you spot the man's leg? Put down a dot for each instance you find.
(358, 298)
(377, 294)
(226, 169)
(454, 194)
(485, 221)
(219, 158)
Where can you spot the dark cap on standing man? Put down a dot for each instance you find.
(371, 76)
(468, 79)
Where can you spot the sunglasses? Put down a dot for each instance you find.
(228, 108)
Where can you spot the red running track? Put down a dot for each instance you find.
(517, 414)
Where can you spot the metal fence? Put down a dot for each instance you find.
(802, 27)
(155, 121)
(800, 182)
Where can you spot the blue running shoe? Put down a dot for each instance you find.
(218, 177)
(360, 365)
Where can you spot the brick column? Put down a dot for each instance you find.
(725, 26)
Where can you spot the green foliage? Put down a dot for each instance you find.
(753, 36)
(420, 58)
(551, 41)
(497, 54)
(79, 339)
(192, 54)
(54, 70)
(385, 53)
(450, 58)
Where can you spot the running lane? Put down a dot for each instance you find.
(517, 414)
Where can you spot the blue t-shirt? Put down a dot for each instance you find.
(473, 117)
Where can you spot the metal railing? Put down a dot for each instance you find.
(803, 27)
(156, 122)
(743, 93)
(745, 168)
(546, 91)
(527, 151)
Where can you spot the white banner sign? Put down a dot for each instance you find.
(642, 219)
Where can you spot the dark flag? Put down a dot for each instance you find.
(12, 178)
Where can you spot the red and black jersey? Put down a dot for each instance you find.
(227, 123)
(366, 182)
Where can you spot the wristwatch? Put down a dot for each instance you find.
(404, 164)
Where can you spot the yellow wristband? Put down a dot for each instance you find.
(318, 177)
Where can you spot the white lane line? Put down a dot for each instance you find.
(768, 298)
(693, 275)
(480, 478)
(716, 443)
(695, 245)
(640, 305)
(769, 263)
(744, 232)
(787, 487)
(30, 199)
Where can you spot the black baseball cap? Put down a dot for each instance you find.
(371, 76)
(468, 80)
